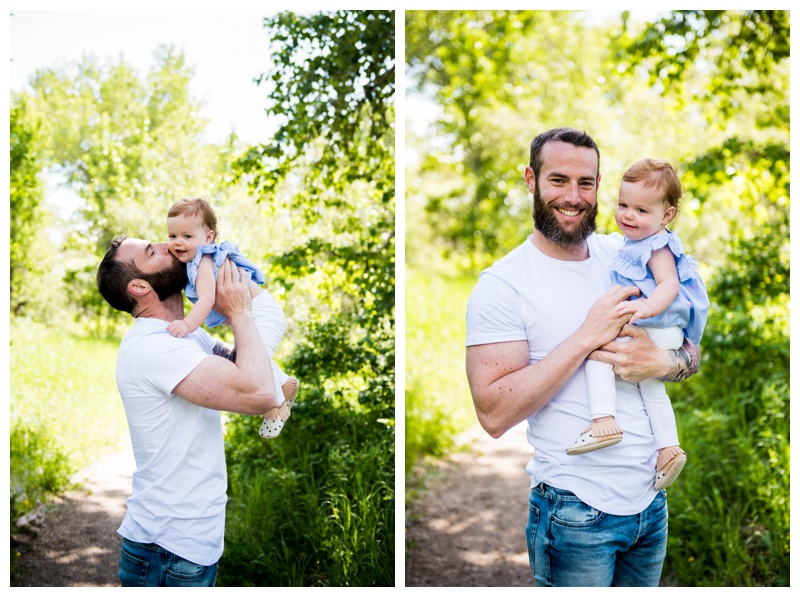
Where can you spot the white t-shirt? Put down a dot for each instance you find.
(529, 296)
(180, 480)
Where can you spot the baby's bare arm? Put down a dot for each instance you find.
(662, 265)
(206, 294)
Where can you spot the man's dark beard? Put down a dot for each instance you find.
(546, 222)
(168, 282)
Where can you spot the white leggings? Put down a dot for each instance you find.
(603, 393)
(271, 324)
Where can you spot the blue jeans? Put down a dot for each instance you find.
(570, 544)
(149, 565)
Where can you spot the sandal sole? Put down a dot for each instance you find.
(598, 445)
(672, 474)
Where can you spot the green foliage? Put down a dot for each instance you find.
(327, 481)
(707, 90)
(39, 470)
(313, 507)
(333, 90)
(128, 148)
(29, 245)
(734, 419)
(750, 51)
(438, 403)
(64, 410)
(333, 81)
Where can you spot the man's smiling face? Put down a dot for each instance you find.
(565, 194)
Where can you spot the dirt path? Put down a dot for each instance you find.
(77, 543)
(468, 528)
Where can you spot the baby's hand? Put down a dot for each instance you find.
(638, 309)
(178, 328)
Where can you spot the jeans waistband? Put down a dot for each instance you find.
(151, 546)
(549, 489)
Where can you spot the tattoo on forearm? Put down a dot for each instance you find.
(685, 362)
(225, 351)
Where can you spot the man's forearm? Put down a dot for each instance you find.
(684, 362)
(507, 388)
(251, 353)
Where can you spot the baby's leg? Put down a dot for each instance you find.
(602, 398)
(271, 324)
(654, 393)
(269, 319)
(659, 411)
(601, 388)
(671, 457)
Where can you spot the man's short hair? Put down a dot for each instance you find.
(565, 135)
(113, 276)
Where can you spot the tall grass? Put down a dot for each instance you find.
(729, 509)
(312, 507)
(64, 409)
(438, 401)
(315, 506)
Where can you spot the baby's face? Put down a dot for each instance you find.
(641, 212)
(185, 234)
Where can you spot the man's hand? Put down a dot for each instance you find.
(604, 322)
(232, 294)
(640, 359)
(635, 360)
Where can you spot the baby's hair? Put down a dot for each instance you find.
(658, 174)
(196, 206)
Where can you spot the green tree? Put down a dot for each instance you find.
(29, 245)
(707, 90)
(328, 174)
(128, 148)
(333, 157)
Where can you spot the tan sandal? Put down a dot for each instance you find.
(277, 416)
(595, 437)
(672, 460)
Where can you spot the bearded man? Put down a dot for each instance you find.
(173, 390)
(533, 319)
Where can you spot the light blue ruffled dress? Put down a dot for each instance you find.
(219, 252)
(689, 311)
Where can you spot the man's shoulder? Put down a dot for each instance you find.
(607, 240)
(148, 334)
(511, 260)
(605, 246)
(150, 357)
(508, 278)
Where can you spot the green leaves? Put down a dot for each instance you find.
(128, 146)
(332, 86)
(746, 53)
(330, 165)
(28, 245)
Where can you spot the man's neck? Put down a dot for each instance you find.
(169, 310)
(552, 249)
